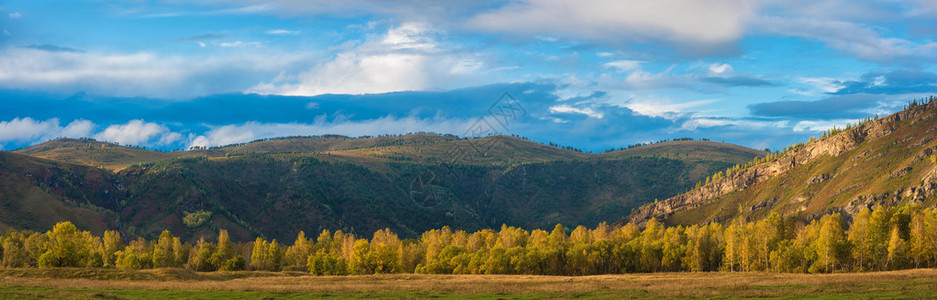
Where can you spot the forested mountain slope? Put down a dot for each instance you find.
(412, 183)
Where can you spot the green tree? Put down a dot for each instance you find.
(180, 252)
(234, 264)
(223, 251)
(163, 254)
(324, 241)
(111, 244)
(880, 225)
(359, 263)
(14, 250)
(923, 235)
(68, 247)
(259, 254)
(766, 235)
(128, 259)
(36, 245)
(897, 250)
(859, 235)
(789, 257)
(831, 244)
(200, 260)
(702, 250)
(733, 240)
(297, 255)
(383, 251)
(498, 261)
(325, 263)
(274, 256)
(558, 236)
(673, 249)
(409, 255)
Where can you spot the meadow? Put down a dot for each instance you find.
(86, 283)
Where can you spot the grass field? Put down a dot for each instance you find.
(162, 284)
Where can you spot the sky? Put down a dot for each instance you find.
(592, 74)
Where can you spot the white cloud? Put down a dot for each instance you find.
(605, 54)
(226, 135)
(396, 9)
(240, 44)
(137, 74)
(33, 68)
(27, 130)
(77, 128)
(624, 65)
(404, 58)
(923, 8)
(616, 21)
(169, 138)
(232, 134)
(720, 69)
(15, 15)
(588, 111)
(824, 84)
(573, 86)
(819, 126)
(281, 32)
(656, 107)
(695, 123)
(250, 9)
(832, 9)
(643, 80)
(857, 40)
(138, 132)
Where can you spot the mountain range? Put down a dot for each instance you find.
(412, 183)
(275, 188)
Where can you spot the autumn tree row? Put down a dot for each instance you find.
(885, 238)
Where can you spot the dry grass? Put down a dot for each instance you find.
(909, 283)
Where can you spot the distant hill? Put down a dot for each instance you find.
(411, 183)
(93, 153)
(888, 160)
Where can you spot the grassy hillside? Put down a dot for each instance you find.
(691, 152)
(889, 160)
(37, 193)
(93, 153)
(410, 184)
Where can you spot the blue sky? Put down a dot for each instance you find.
(592, 74)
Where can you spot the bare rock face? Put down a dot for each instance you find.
(830, 146)
(927, 187)
(819, 178)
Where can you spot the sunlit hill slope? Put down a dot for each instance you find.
(889, 160)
